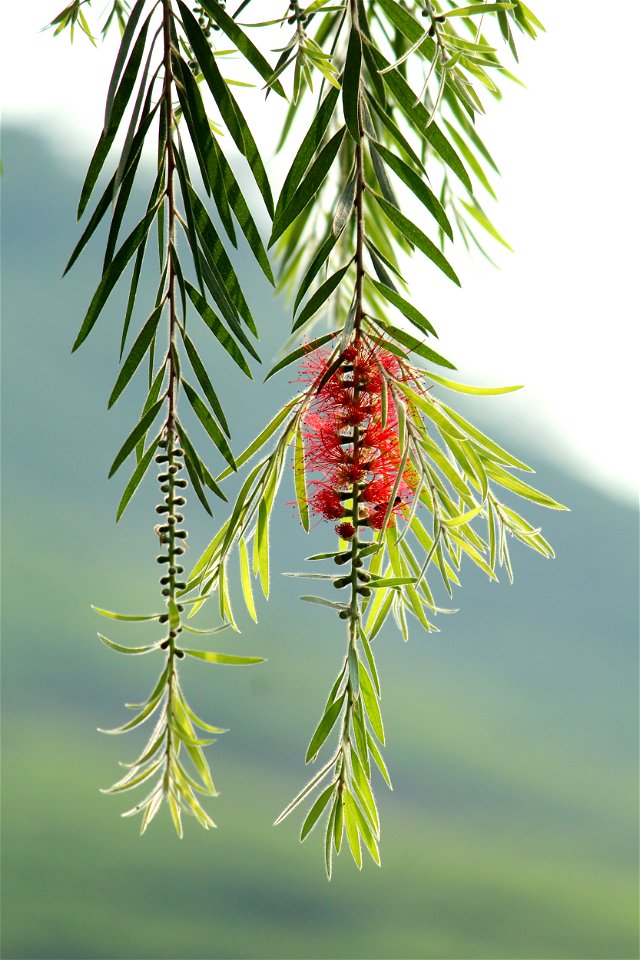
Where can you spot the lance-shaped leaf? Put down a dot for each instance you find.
(229, 110)
(217, 329)
(316, 811)
(246, 47)
(205, 382)
(300, 480)
(309, 186)
(111, 276)
(137, 352)
(413, 345)
(118, 107)
(227, 659)
(325, 727)
(120, 648)
(320, 297)
(138, 431)
(415, 235)
(307, 149)
(419, 116)
(137, 476)
(302, 351)
(416, 185)
(351, 84)
(209, 424)
(407, 309)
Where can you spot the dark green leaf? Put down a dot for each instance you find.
(138, 431)
(123, 50)
(416, 184)
(300, 352)
(219, 331)
(137, 352)
(209, 424)
(205, 383)
(112, 275)
(351, 84)
(406, 308)
(229, 110)
(239, 206)
(246, 47)
(307, 149)
(421, 119)
(118, 108)
(320, 297)
(218, 254)
(309, 186)
(320, 258)
(417, 237)
(136, 477)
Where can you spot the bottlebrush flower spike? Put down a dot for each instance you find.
(351, 438)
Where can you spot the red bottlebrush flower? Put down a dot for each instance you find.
(346, 530)
(344, 438)
(327, 502)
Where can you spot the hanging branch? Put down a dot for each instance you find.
(374, 445)
(164, 60)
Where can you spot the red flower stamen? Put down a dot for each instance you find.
(345, 441)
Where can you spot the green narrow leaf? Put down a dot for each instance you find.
(302, 351)
(209, 424)
(318, 261)
(143, 465)
(493, 449)
(413, 345)
(262, 547)
(229, 110)
(119, 648)
(118, 107)
(245, 579)
(353, 837)
(416, 184)
(476, 391)
(370, 701)
(222, 658)
(246, 47)
(316, 811)
(480, 8)
(217, 329)
(319, 297)
(407, 309)
(351, 84)
(324, 728)
(300, 480)
(123, 50)
(138, 431)
(309, 186)
(137, 352)
(344, 206)
(418, 114)
(262, 438)
(205, 383)
(111, 276)
(307, 149)
(413, 233)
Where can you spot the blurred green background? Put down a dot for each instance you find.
(512, 735)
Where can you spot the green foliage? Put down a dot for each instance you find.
(342, 228)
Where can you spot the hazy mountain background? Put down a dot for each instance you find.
(512, 735)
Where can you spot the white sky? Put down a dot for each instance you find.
(561, 314)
